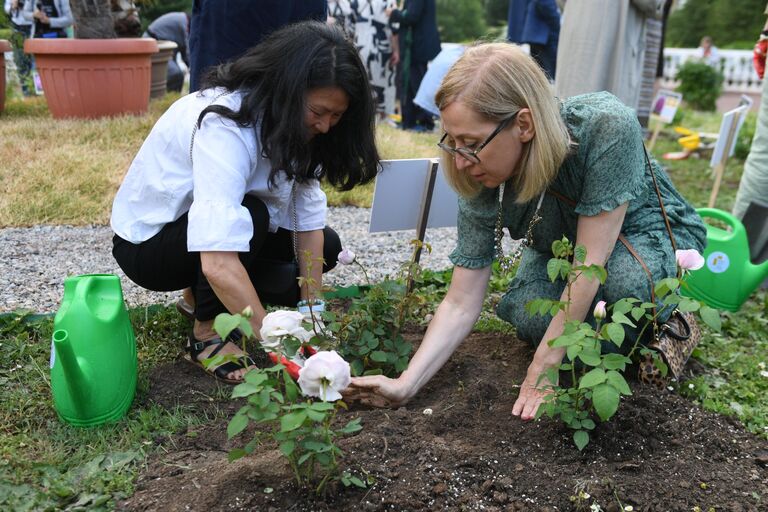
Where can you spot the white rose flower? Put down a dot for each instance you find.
(279, 324)
(324, 375)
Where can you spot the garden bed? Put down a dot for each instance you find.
(659, 453)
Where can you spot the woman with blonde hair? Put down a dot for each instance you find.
(544, 169)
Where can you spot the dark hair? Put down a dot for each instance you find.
(275, 76)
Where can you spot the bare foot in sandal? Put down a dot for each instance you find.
(205, 344)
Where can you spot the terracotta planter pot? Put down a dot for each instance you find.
(160, 68)
(89, 78)
(5, 46)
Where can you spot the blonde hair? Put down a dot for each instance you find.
(496, 80)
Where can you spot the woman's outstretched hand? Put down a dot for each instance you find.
(377, 391)
(532, 393)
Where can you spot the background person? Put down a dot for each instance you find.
(205, 215)
(754, 181)
(49, 18)
(222, 30)
(367, 23)
(419, 43)
(537, 24)
(602, 47)
(581, 167)
(173, 26)
(708, 52)
(21, 31)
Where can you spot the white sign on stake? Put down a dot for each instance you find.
(726, 129)
(401, 188)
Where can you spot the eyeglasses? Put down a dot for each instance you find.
(471, 154)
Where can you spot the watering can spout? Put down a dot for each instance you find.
(757, 274)
(75, 371)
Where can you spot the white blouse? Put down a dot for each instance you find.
(162, 184)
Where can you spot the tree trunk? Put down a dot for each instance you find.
(93, 19)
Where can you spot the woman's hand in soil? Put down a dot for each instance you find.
(377, 391)
(533, 392)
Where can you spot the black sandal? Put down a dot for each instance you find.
(195, 347)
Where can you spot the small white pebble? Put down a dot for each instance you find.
(428, 411)
(691, 386)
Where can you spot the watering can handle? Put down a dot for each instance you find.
(714, 213)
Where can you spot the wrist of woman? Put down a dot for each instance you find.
(543, 361)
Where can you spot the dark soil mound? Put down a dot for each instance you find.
(660, 453)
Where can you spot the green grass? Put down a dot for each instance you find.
(737, 381)
(46, 464)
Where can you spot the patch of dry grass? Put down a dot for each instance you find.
(67, 171)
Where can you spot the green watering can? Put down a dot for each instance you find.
(728, 276)
(93, 352)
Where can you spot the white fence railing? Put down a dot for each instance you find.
(736, 66)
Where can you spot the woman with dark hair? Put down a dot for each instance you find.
(228, 178)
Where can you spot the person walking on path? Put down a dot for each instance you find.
(22, 29)
(173, 26)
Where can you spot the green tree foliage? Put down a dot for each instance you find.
(496, 12)
(460, 20)
(730, 23)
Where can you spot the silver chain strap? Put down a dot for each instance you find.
(293, 187)
(507, 262)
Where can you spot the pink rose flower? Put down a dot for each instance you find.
(346, 257)
(689, 259)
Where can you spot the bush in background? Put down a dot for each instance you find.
(460, 20)
(700, 84)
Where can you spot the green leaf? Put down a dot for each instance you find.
(711, 317)
(605, 399)
(292, 421)
(580, 253)
(287, 447)
(292, 391)
(356, 367)
(245, 389)
(592, 378)
(316, 416)
(236, 425)
(615, 361)
(379, 356)
(590, 356)
(621, 318)
(224, 323)
(581, 439)
(351, 427)
(688, 305)
(246, 327)
(615, 333)
(572, 351)
(255, 377)
(617, 380)
(316, 446)
(304, 458)
(235, 454)
(553, 267)
(637, 313)
(587, 424)
(291, 346)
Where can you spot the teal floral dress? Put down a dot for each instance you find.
(605, 169)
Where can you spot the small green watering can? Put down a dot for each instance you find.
(93, 352)
(728, 276)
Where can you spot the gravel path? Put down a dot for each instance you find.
(35, 261)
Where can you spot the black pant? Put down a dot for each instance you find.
(163, 263)
(414, 115)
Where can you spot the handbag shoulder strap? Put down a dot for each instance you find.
(661, 202)
(622, 238)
